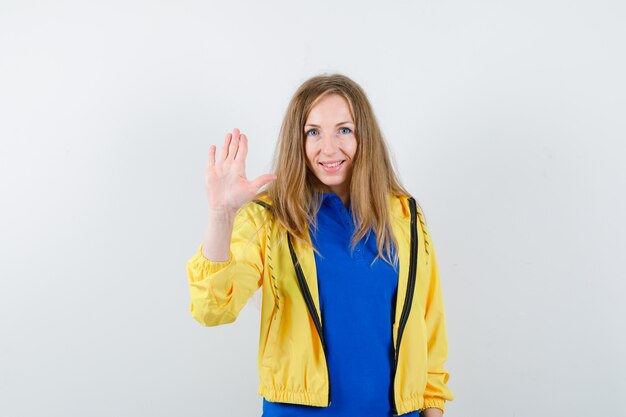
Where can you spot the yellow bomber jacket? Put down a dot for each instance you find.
(291, 356)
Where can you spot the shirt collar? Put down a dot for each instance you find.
(331, 198)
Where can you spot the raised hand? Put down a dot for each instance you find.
(226, 184)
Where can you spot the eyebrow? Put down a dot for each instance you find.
(342, 123)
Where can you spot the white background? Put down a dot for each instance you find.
(506, 121)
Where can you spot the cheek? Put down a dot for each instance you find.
(309, 152)
(352, 147)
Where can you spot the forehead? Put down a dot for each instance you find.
(330, 107)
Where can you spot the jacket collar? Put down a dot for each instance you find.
(398, 204)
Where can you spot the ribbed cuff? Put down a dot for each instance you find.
(435, 403)
(200, 267)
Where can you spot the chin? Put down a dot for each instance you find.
(333, 182)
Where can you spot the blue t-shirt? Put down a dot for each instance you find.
(356, 302)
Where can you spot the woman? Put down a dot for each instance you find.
(352, 320)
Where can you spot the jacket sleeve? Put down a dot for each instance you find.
(437, 392)
(219, 290)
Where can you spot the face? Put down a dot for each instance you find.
(330, 143)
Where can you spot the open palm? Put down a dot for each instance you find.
(227, 186)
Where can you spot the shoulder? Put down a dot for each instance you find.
(257, 210)
(263, 200)
(400, 205)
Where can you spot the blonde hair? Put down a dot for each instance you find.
(296, 192)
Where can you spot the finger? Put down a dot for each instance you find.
(234, 144)
(262, 180)
(242, 152)
(211, 163)
(224, 151)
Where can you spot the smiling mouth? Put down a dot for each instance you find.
(332, 165)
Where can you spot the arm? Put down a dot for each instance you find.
(218, 233)
(228, 266)
(437, 392)
(220, 289)
(431, 412)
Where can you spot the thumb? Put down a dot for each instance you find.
(261, 180)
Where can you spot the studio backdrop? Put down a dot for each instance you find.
(504, 119)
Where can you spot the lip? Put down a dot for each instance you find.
(333, 169)
(332, 162)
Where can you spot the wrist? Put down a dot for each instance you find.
(221, 215)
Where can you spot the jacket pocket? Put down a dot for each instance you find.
(269, 352)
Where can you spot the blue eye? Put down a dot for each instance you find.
(345, 130)
(311, 132)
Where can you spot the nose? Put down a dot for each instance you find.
(329, 144)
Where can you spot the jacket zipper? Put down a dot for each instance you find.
(306, 293)
(308, 299)
(406, 309)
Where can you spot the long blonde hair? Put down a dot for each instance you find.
(296, 192)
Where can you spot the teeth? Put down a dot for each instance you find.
(332, 165)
